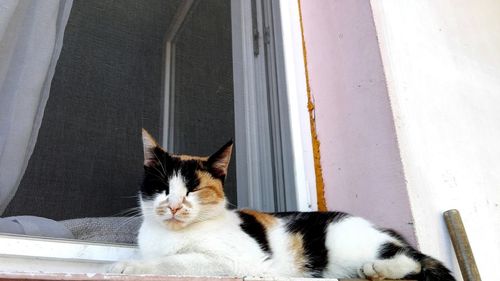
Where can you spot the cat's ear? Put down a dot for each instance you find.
(150, 146)
(219, 161)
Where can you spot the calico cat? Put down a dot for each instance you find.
(187, 230)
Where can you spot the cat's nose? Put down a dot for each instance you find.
(174, 209)
(174, 203)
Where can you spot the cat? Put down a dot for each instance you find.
(188, 230)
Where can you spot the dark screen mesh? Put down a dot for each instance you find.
(204, 100)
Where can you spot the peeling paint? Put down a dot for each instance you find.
(320, 185)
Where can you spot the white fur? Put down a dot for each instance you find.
(219, 247)
(178, 190)
(210, 242)
(214, 247)
(351, 243)
(395, 268)
(175, 200)
(183, 234)
(282, 260)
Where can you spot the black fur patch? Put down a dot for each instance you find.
(432, 269)
(157, 175)
(388, 250)
(255, 230)
(312, 226)
(395, 235)
(221, 154)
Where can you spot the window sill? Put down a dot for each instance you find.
(37, 254)
(34, 258)
(106, 277)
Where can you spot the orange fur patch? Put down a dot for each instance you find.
(186, 203)
(210, 190)
(297, 248)
(174, 225)
(266, 220)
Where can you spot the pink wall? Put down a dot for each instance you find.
(361, 163)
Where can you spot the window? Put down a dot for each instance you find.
(199, 96)
(192, 79)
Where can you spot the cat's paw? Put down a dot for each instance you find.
(128, 267)
(396, 268)
(372, 271)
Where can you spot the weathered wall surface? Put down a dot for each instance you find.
(442, 62)
(361, 162)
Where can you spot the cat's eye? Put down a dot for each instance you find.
(190, 191)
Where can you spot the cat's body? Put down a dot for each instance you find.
(187, 230)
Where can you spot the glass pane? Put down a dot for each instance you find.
(203, 111)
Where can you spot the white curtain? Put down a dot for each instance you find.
(31, 33)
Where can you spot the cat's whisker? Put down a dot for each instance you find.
(127, 211)
(162, 167)
(131, 213)
(162, 174)
(162, 179)
(131, 196)
(231, 204)
(138, 219)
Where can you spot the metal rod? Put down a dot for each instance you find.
(461, 245)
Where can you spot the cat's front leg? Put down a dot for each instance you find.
(181, 264)
(133, 267)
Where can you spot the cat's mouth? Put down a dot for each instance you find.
(169, 217)
(174, 223)
(173, 219)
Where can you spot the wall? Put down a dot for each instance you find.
(361, 165)
(442, 62)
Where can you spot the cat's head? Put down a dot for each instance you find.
(178, 190)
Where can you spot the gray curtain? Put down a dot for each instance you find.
(31, 35)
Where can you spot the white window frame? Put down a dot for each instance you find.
(296, 87)
(252, 86)
(32, 254)
(250, 108)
